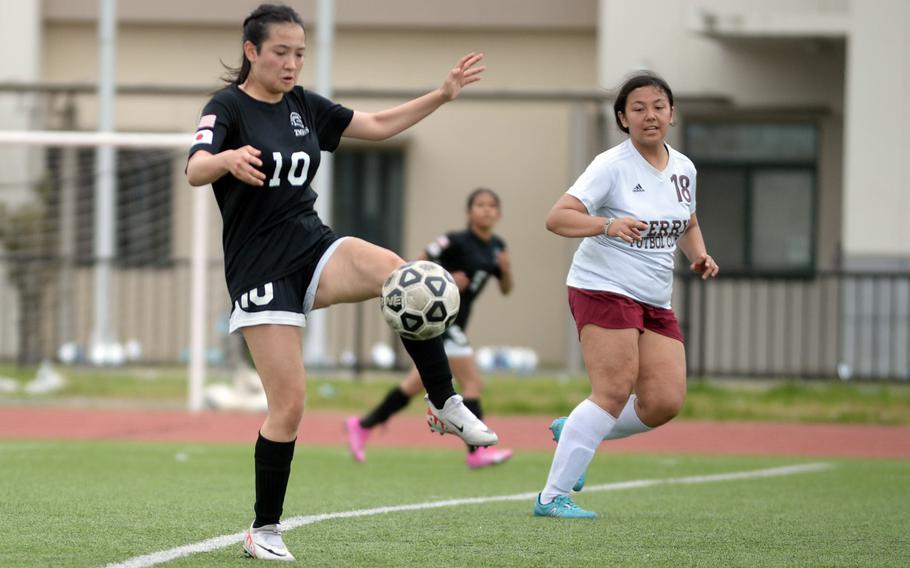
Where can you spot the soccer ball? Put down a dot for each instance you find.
(419, 300)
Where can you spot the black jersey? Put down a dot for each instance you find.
(270, 231)
(463, 251)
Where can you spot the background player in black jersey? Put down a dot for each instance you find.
(472, 256)
(258, 144)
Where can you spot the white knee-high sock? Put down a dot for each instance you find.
(584, 429)
(628, 422)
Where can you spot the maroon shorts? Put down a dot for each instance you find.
(615, 311)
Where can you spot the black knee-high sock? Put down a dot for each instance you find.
(273, 468)
(395, 400)
(433, 366)
(473, 404)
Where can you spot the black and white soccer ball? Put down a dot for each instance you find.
(420, 300)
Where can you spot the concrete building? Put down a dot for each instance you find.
(785, 107)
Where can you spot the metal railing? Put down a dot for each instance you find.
(855, 325)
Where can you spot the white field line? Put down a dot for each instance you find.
(294, 522)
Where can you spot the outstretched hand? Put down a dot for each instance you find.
(464, 73)
(705, 266)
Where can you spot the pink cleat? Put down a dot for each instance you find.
(357, 437)
(484, 457)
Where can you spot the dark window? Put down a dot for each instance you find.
(368, 195)
(756, 193)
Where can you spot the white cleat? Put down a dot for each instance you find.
(455, 418)
(264, 543)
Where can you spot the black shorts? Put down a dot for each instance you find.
(287, 300)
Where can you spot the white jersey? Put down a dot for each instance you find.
(621, 183)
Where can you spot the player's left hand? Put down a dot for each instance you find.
(705, 266)
(464, 73)
(504, 262)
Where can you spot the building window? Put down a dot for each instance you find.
(368, 195)
(757, 193)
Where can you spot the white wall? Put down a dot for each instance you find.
(20, 28)
(763, 72)
(876, 204)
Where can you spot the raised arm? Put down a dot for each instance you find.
(387, 123)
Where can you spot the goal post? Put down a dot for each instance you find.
(46, 267)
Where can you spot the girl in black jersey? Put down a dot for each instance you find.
(472, 256)
(258, 144)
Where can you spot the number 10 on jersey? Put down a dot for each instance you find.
(295, 177)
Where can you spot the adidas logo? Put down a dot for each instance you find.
(638, 188)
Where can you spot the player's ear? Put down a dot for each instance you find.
(249, 51)
(622, 119)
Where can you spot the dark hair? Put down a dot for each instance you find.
(480, 191)
(256, 31)
(643, 79)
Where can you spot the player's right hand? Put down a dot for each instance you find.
(627, 229)
(242, 164)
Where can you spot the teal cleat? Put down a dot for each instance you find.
(556, 428)
(562, 507)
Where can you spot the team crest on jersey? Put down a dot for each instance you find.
(300, 128)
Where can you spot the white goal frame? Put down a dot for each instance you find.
(200, 225)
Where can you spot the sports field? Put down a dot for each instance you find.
(95, 503)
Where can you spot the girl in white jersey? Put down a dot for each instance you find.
(634, 204)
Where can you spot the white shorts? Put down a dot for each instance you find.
(456, 343)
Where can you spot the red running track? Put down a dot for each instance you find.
(409, 431)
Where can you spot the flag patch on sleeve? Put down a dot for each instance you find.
(435, 248)
(207, 121)
(203, 137)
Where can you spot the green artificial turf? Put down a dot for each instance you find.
(93, 503)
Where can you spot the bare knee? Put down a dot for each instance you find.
(659, 408)
(612, 400)
(286, 409)
(611, 389)
(389, 262)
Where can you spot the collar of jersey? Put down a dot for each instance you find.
(250, 97)
(646, 164)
